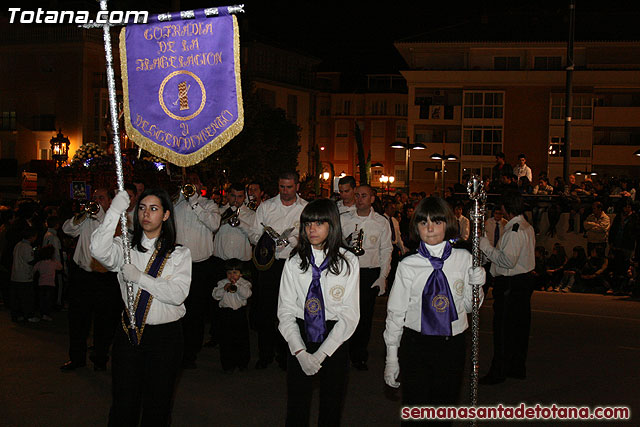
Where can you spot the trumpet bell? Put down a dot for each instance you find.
(92, 208)
(188, 190)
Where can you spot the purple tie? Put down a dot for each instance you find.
(438, 308)
(314, 322)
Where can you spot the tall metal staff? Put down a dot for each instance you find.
(475, 189)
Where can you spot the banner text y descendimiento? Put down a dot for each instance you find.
(79, 17)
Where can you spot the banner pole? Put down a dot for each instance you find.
(113, 108)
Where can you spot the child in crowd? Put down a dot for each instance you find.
(233, 293)
(555, 266)
(46, 267)
(427, 311)
(22, 290)
(318, 310)
(571, 269)
(541, 278)
(592, 274)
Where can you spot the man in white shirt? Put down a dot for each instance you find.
(197, 218)
(511, 264)
(255, 193)
(94, 293)
(282, 214)
(464, 227)
(375, 264)
(521, 169)
(347, 188)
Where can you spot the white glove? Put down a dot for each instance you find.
(131, 273)
(308, 363)
(120, 202)
(484, 244)
(319, 356)
(381, 284)
(477, 276)
(392, 367)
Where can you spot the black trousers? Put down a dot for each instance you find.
(22, 299)
(431, 369)
(359, 341)
(93, 297)
(265, 304)
(511, 324)
(234, 338)
(198, 305)
(144, 376)
(333, 378)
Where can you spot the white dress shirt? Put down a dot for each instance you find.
(520, 171)
(515, 253)
(233, 242)
(344, 209)
(83, 230)
(196, 221)
(273, 213)
(232, 300)
(339, 292)
(404, 307)
(169, 290)
(464, 226)
(490, 229)
(21, 269)
(377, 239)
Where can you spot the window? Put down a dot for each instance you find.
(8, 120)
(292, 108)
(547, 63)
(379, 108)
(483, 105)
(481, 140)
(44, 122)
(556, 146)
(342, 129)
(506, 63)
(346, 108)
(402, 109)
(401, 130)
(582, 107)
(580, 153)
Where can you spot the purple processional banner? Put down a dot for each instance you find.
(181, 83)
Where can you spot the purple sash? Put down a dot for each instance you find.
(144, 299)
(438, 308)
(314, 320)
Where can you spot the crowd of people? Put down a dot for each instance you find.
(304, 273)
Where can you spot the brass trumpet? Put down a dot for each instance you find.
(357, 245)
(252, 203)
(92, 207)
(188, 190)
(230, 217)
(280, 239)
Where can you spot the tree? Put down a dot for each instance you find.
(266, 147)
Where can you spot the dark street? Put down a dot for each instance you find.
(584, 350)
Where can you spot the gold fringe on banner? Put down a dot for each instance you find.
(183, 160)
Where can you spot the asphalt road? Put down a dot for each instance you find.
(584, 351)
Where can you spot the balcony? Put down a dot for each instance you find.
(616, 116)
(436, 114)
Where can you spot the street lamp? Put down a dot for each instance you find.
(386, 180)
(408, 146)
(444, 158)
(59, 148)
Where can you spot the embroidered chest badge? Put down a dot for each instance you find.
(337, 292)
(313, 305)
(458, 286)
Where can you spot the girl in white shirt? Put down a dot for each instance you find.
(318, 310)
(147, 359)
(427, 311)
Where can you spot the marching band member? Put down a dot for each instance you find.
(318, 311)
(347, 189)
(197, 218)
(93, 292)
(375, 264)
(254, 195)
(146, 360)
(282, 214)
(427, 311)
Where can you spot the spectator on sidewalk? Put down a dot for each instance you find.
(597, 227)
(522, 169)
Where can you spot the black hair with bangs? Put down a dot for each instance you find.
(321, 210)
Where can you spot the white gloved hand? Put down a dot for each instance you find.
(131, 273)
(392, 367)
(120, 202)
(319, 356)
(477, 276)
(381, 284)
(484, 244)
(308, 363)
